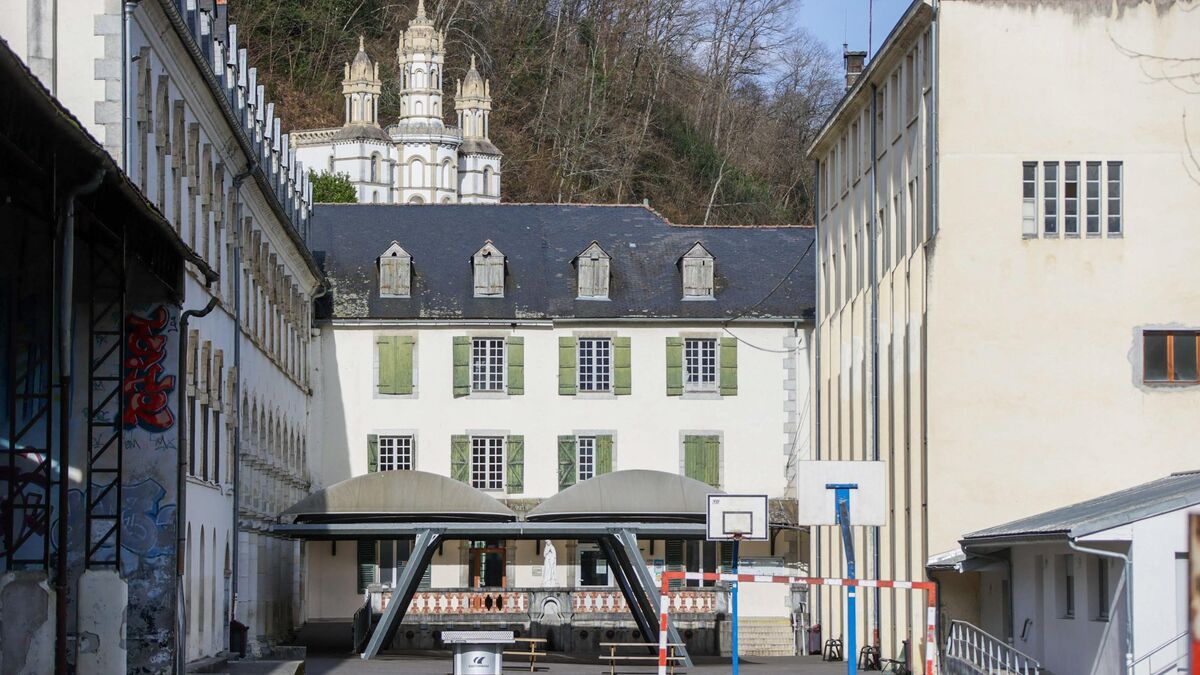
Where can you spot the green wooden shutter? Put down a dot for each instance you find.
(692, 453)
(604, 449)
(385, 347)
(674, 560)
(712, 460)
(516, 464)
(702, 458)
(462, 365)
(674, 366)
(566, 462)
(367, 564)
(460, 458)
(404, 364)
(372, 453)
(516, 365)
(622, 367)
(566, 366)
(729, 366)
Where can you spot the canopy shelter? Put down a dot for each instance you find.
(613, 509)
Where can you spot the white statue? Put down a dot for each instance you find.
(549, 565)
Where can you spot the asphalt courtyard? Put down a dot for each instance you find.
(436, 663)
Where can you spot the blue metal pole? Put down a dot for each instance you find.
(735, 608)
(842, 502)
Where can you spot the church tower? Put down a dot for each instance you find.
(421, 61)
(361, 87)
(478, 159)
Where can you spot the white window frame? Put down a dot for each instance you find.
(1070, 205)
(396, 452)
(585, 449)
(594, 369)
(1119, 199)
(1050, 222)
(694, 362)
(1029, 199)
(1097, 200)
(489, 459)
(483, 365)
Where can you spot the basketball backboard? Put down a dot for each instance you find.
(815, 500)
(742, 517)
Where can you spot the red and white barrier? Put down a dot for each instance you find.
(928, 586)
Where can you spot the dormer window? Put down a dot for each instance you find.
(697, 266)
(593, 265)
(395, 273)
(489, 271)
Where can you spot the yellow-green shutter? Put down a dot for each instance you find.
(702, 459)
(728, 360)
(372, 453)
(566, 366)
(385, 347)
(516, 365)
(674, 366)
(404, 364)
(622, 367)
(604, 458)
(516, 465)
(566, 462)
(712, 460)
(462, 365)
(460, 458)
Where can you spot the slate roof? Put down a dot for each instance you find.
(1177, 491)
(540, 242)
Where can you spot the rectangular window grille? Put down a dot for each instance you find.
(586, 447)
(1071, 199)
(1101, 589)
(1114, 198)
(487, 462)
(1093, 198)
(1170, 356)
(595, 364)
(1050, 198)
(487, 364)
(700, 364)
(395, 453)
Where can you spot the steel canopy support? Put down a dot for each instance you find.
(638, 602)
(628, 541)
(406, 587)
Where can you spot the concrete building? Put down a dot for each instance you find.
(1002, 192)
(419, 159)
(524, 349)
(169, 95)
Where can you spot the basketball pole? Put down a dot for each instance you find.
(841, 492)
(736, 541)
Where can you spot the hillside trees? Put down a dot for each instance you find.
(704, 107)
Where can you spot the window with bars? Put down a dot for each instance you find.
(1050, 198)
(487, 462)
(700, 364)
(395, 453)
(487, 364)
(1115, 212)
(1071, 199)
(586, 457)
(1170, 356)
(595, 364)
(1092, 195)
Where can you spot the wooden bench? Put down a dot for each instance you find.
(613, 657)
(532, 653)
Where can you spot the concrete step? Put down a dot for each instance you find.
(760, 636)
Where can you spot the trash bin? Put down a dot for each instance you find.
(814, 639)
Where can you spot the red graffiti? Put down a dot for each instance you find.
(147, 391)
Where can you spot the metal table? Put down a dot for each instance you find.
(478, 652)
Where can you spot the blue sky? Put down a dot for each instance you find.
(838, 21)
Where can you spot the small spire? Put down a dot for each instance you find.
(472, 62)
(361, 48)
(420, 7)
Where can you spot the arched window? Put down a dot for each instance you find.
(355, 109)
(374, 167)
(416, 173)
(419, 79)
(418, 108)
(447, 176)
(375, 197)
(487, 180)
(416, 199)
(367, 106)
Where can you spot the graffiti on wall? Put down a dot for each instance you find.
(146, 386)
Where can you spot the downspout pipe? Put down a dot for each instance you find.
(816, 531)
(1128, 560)
(127, 85)
(873, 336)
(181, 488)
(237, 388)
(66, 339)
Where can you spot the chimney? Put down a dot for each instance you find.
(855, 61)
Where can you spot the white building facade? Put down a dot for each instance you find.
(995, 321)
(174, 103)
(419, 159)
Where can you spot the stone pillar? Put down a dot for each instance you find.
(103, 600)
(27, 629)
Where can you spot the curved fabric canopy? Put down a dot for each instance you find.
(639, 495)
(400, 495)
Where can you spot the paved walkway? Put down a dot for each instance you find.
(432, 663)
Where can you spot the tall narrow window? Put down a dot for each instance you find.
(1071, 199)
(487, 364)
(1050, 198)
(1101, 589)
(586, 457)
(395, 453)
(1093, 198)
(595, 364)
(700, 364)
(487, 462)
(1115, 224)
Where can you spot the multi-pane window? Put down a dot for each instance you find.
(1170, 356)
(1050, 198)
(1114, 198)
(586, 459)
(1071, 199)
(487, 364)
(595, 364)
(487, 462)
(395, 453)
(700, 364)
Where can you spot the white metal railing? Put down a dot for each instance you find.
(986, 653)
(1161, 667)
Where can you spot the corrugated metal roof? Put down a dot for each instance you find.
(757, 275)
(1177, 491)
